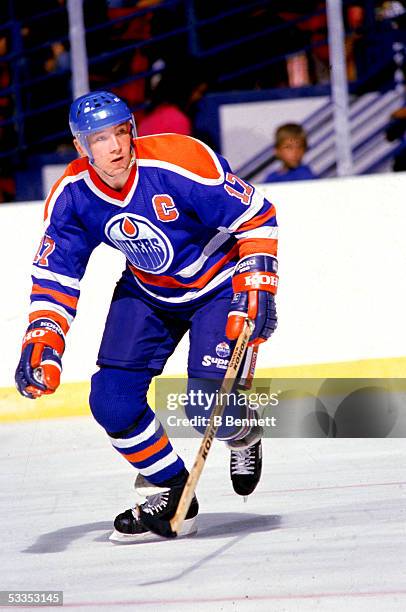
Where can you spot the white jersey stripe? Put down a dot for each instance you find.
(219, 239)
(57, 193)
(153, 163)
(160, 465)
(182, 171)
(107, 198)
(191, 294)
(256, 204)
(211, 247)
(43, 305)
(128, 442)
(266, 231)
(61, 279)
(224, 233)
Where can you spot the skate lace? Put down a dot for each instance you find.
(243, 461)
(155, 503)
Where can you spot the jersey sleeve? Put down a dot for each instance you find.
(60, 261)
(233, 205)
(219, 198)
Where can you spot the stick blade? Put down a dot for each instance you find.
(156, 525)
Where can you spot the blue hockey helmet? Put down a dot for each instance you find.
(97, 110)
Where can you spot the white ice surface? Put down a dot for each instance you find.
(325, 529)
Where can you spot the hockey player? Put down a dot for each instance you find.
(200, 245)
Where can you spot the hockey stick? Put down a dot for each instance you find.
(247, 375)
(170, 529)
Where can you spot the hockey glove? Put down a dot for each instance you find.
(254, 284)
(39, 369)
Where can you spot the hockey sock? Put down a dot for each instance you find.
(118, 403)
(148, 449)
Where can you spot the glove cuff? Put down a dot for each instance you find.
(46, 332)
(264, 281)
(256, 272)
(257, 262)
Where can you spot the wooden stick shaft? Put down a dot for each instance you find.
(211, 430)
(247, 375)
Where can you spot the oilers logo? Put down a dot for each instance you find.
(145, 246)
(222, 349)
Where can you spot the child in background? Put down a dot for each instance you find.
(290, 147)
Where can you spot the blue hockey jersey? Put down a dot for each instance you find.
(182, 220)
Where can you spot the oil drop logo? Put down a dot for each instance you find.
(145, 246)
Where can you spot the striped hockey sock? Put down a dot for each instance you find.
(148, 449)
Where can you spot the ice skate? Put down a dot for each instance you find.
(246, 467)
(161, 502)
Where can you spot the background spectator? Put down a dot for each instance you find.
(174, 100)
(123, 35)
(315, 33)
(290, 147)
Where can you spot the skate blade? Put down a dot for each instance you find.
(189, 528)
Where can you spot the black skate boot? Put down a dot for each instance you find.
(245, 468)
(162, 502)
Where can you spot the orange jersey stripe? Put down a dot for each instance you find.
(66, 300)
(250, 246)
(183, 151)
(50, 314)
(172, 283)
(148, 452)
(74, 168)
(257, 221)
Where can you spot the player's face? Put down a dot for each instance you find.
(111, 148)
(291, 151)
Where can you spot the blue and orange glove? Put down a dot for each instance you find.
(39, 369)
(254, 284)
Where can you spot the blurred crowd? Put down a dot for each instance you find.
(144, 51)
